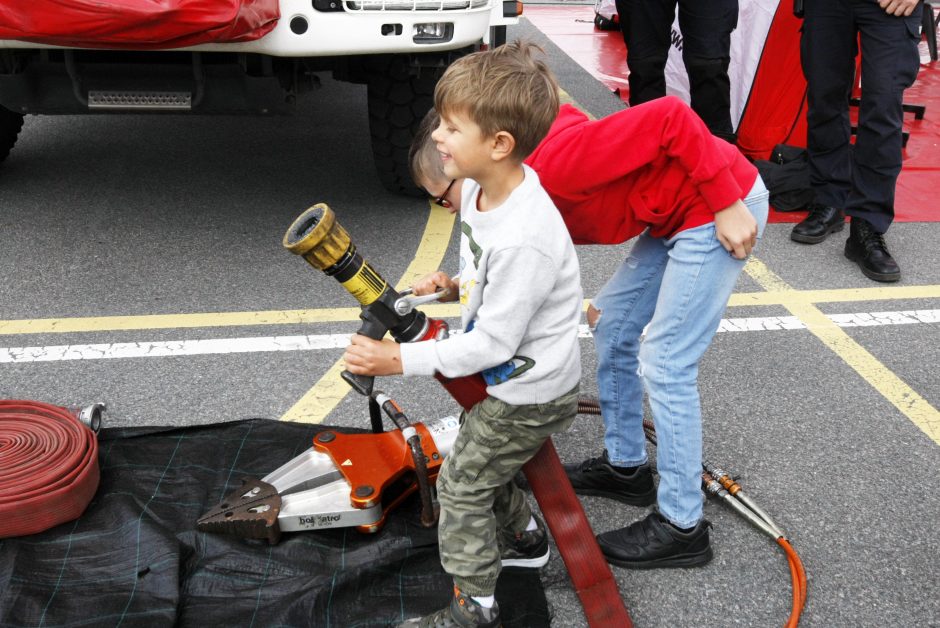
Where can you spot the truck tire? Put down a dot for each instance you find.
(399, 95)
(10, 125)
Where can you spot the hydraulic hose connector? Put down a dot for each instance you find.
(711, 485)
(724, 478)
(728, 482)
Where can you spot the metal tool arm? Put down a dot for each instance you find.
(343, 480)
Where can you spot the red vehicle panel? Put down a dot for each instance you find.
(137, 24)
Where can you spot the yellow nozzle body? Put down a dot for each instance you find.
(317, 237)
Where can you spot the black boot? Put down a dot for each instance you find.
(821, 221)
(866, 247)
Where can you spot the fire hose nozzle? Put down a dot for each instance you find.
(317, 237)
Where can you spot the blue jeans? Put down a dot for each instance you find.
(680, 287)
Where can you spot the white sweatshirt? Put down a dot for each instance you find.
(520, 296)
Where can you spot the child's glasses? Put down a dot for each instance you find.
(442, 199)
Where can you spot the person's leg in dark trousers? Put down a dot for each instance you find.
(890, 61)
(859, 179)
(889, 65)
(647, 32)
(706, 52)
(827, 52)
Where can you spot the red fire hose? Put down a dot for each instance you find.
(48, 464)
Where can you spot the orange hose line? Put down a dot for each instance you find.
(795, 608)
(799, 567)
(798, 576)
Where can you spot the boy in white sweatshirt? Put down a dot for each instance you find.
(520, 292)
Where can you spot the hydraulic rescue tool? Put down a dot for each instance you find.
(356, 479)
(342, 480)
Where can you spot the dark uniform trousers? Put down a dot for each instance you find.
(706, 27)
(859, 179)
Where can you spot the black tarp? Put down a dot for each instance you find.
(135, 558)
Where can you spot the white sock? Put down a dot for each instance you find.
(532, 525)
(486, 601)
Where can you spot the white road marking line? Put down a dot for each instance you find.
(861, 319)
(104, 351)
(172, 348)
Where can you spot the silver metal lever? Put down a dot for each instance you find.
(408, 302)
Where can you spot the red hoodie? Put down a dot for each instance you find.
(653, 165)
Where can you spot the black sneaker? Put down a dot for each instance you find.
(463, 612)
(527, 549)
(654, 542)
(596, 476)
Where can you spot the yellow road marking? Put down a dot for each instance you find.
(319, 401)
(326, 394)
(344, 314)
(776, 295)
(882, 379)
(176, 321)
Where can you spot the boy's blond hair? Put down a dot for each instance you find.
(423, 158)
(503, 89)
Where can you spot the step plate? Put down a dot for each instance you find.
(139, 100)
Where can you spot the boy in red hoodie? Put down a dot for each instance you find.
(698, 207)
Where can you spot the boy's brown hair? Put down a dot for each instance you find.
(503, 89)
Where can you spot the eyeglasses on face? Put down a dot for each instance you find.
(442, 199)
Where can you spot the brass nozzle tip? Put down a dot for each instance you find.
(317, 237)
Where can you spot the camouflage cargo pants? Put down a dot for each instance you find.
(475, 487)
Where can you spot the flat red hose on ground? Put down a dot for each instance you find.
(48, 467)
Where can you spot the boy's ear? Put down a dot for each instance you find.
(503, 145)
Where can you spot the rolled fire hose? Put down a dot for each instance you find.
(48, 464)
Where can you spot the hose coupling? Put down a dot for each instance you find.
(90, 416)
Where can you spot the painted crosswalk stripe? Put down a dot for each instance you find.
(118, 350)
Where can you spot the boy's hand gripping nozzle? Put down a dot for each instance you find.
(318, 238)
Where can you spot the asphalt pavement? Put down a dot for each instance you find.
(117, 232)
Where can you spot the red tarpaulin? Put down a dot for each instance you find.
(136, 24)
(775, 112)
